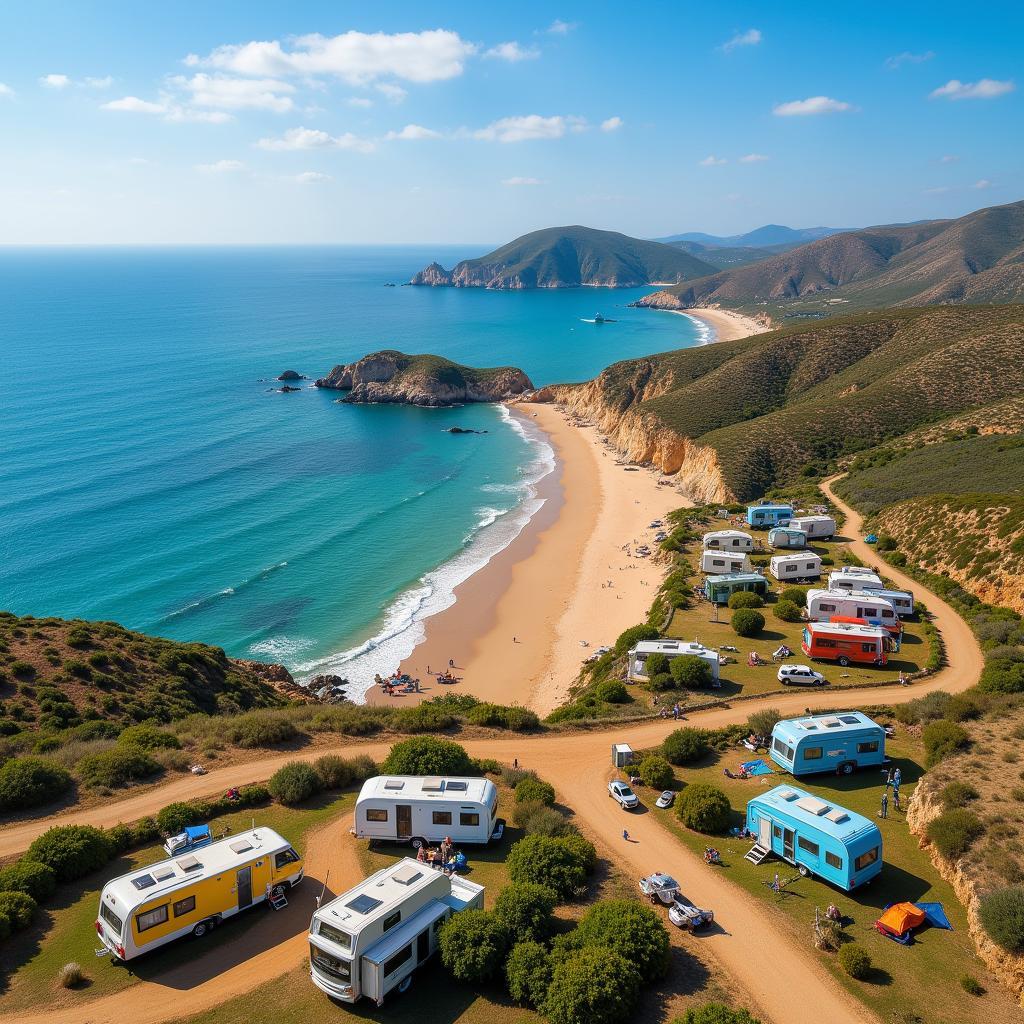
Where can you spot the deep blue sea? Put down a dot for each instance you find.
(151, 475)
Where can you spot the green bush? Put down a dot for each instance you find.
(294, 782)
(704, 808)
(262, 729)
(745, 599)
(854, 960)
(72, 851)
(684, 746)
(335, 772)
(1003, 672)
(473, 945)
(941, 739)
(691, 672)
(536, 818)
(661, 681)
(957, 794)
(1002, 917)
(423, 718)
(149, 737)
(747, 622)
(528, 973)
(535, 790)
(656, 772)
(31, 782)
(629, 638)
(583, 849)
(715, 1013)
(787, 611)
(762, 721)
(923, 709)
(796, 595)
(426, 755)
(612, 691)
(120, 766)
(16, 911)
(954, 832)
(592, 986)
(145, 831)
(175, 816)
(971, 985)
(30, 877)
(121, 837)
(655, 664)
(632, 930)
(501, 716)
(526, 910)
(552, 859)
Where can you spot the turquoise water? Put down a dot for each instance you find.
(151, 476)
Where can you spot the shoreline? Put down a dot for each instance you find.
(724, 323)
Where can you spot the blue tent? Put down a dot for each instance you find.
(934, 915)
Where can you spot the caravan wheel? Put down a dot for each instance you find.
(844, 661)
(202, 928)
(405, 984)
(417, 842)
(804, 870)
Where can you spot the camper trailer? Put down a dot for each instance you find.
(728, 540)
(192, 893)
(902, 601)
(868, 606)
(370, 940)
(722, 563)
(671, 649)
(787, 537)
(854, 578)
(816, 527)
(847, 643)
(422, 810)
(836, 743)
(718, 589)
(768, 514)
(803, 565)
(818, 838)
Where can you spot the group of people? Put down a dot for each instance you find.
(894, 779)
(445, 858)
(675, 712)
(397, 682)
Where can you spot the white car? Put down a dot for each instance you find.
(667, 799)
(800, 675)
(683, 914)
(623, 795)
(660, 888)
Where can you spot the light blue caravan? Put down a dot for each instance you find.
(836, 743)
(718, 589)
(819, 838)
(786, 537)
(768, 514)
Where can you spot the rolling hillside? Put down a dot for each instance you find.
(567, 257)
(763, 237)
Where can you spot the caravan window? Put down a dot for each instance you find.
(827, 607)
(441, 817)
(868, 747)
(865, 859)
(401, 957)
(111, 918)
(777, 831)
(376, 814)
(391, 920)
(781, 748)
(867, 648)
(812, 753)
(807, 846)
(466, 818)
(185, 906)
(285, 857)
(151, 918)
(336, 935)
(832, 860)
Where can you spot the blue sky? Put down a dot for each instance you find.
(393, 122)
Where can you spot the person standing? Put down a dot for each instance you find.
(884, 812)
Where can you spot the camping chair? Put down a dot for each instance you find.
(277, 898)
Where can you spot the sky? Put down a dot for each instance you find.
(338, 122)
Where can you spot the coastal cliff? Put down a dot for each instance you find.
(393, 377)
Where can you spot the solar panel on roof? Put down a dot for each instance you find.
(850, 719)
(363, 904)
(456, 787)
(143, 881)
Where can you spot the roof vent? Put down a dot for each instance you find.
(406, 875)
(240, 845)
(433, 784)
(188, 863)
(838, 815)
(394, 784)
(813, 805)
(162, 874)
(456, 786)
(787, 794)
(831, 723)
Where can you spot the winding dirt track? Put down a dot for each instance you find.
(791, 989)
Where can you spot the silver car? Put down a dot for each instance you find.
(667, 799)
(623, 795)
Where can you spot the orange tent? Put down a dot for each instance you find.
(899, 919)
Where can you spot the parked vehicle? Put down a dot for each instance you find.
(799, 675)
(846, 643)
(901, 600)
(768, 514)
(684, 914)
(191, 894)
(827, 743)
(659, 888)
(787, 537)
(667, 799)
(728, 540)
(623, 795)
(868, 605)
(796, 566)
(854, 578)
(871, 538)
(637, 664)
(718, 589)
(816, 527)
(722, 563)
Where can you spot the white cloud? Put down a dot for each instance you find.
(414, 132)
(55, 81)
(512, 52)
(561, 28)
(713, 161)
(753, 158)
(314, 138)
(178, 113)
(811, 106)
(99, 83)
(949, 158)
(63, 82)
(312, 178)
(392, 92)
(134, 105)
(896, 62)
(356, 57)
(518, 182)
(937, 191)
(359, 101)
(752, 37)
(221, 167)
(982, 183)
(224, 93)
(983, 89)
(612, 124)
(529, 127)
(5, 89)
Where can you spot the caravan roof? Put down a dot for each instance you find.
(808, 809)
(428, 787)
(673, 647)
(793, 730)
(728, 533)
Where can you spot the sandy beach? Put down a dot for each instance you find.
(517, 628)
(727, 325)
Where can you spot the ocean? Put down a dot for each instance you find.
(152, 475)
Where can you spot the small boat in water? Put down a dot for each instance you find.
(598, 319)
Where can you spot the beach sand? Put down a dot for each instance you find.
(727, 325)
(514, 631)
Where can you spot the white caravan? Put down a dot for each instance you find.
(823, 605)
(728, 540)
(854, 578)
(800, 565)
(421, 810)
(816, 527)
(368, 941)
(671, 649)
(722, 563)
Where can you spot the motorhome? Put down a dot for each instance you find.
(862, 579)
(818, 838)
(846, 643)
(901, 600)
(191, 894)
(867, 605)
(421, 810)
(786, 537)
(768, 514)
(798, 565)
(836, 743)
(728, 540)
(722, 563)
(369, 940)
(671, 649)
(718, 589)
(816, 527)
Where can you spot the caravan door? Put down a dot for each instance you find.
(243, 882)
(403, 820)
(764, 833)
(787, 843)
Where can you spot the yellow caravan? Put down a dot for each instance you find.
(191, 894)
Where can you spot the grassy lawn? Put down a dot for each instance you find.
(923, 978)
(66, 929)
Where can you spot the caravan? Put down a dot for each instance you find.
(852, 577)
(847, 643)
(785, 537)
(768, 514)
(792, 568)
(722, 563)
(671, 649)
(718, 589)
(827, 743)
(869, 606)
(815, 527)
(728, 540)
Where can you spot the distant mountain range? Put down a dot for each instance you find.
(567, 257)
(759, 238)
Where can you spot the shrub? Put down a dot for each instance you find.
(655, 664)
(33, 879)
(535, 790)
(262, 729)
(745, 599)
(747, 622)
(715, 1013)
(145, 831)
(661, 681)
(526, 910)
(612, 691)
(70, 975)
(117, 767)
(923, 709)
(628, 928)
(954, 832)
(175, 816)
(16, 911)
(501, 716)
(1002, 917)
(536, 818)
(787, 611)
(971, 985)
(583, 849)
(691, 672)
(423, 718)
(942, 738)
(854, 960)
(30, 782)
(426, 755)
(704, 808)
(513, 776)
(294, 782)
(761, 722)
(593, 985)
(1003, 672)
(956, 794)
(796, 595)
(635, 634)
(473, 945)
(684, 746)
(121, 837)
(964, 707)
(528, 972)
(553, 859)
(656, 772)
(334, 771)
(149, 737)
(22, 670)
(72, 851)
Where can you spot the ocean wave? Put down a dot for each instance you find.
(280, 648)
(205, 602)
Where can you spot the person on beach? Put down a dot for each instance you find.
(625, 835)
(451, 663)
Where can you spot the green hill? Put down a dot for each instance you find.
(567, 257)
